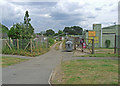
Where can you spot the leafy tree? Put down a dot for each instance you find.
(26, 18)
(22, 30)
(50, 32)
(60, 32)
(56, 34)
(28, 28)
(3, 28)
(74, 30)
(15, 31)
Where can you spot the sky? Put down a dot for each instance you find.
(57, 14)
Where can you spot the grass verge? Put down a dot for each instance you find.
(100, 55)
(7, 61)
(88, 72)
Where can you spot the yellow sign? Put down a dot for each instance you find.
(91, 33)
(96, 39)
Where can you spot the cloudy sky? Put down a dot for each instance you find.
(57, 14)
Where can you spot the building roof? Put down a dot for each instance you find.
(110, 27)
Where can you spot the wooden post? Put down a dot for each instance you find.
(92, 46)
(31, 45)
(8, 45)
(82, 47)
(17, 43)
(115, 45)
(74, 43)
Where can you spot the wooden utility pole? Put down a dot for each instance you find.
(92, 46)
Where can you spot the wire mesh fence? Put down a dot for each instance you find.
(22, 46)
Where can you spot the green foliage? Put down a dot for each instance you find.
(22, 30)
(36, 51)
(107, 43)
(51, 41)
(60, 32)
(3, 28)
(50, 32)
(74, 30)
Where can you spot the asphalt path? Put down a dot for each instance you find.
(37, 70)
(34, 71)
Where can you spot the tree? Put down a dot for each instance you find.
(15, 31)
(60, 32)
(74, 30)
(22, 30)
(26, 18)
(50, 32)
(3, 28)
(28, 28)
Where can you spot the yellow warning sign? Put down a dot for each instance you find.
(96, 39)
(91, 33)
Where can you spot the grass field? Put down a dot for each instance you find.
(100, 55)
(7, 61)
(101, 52)
(88, 72)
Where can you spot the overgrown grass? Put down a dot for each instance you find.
(35, 52)
(7, 61)
(88, 72)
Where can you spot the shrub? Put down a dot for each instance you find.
(107, 43)
(51, 41)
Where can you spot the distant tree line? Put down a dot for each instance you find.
(74, 30)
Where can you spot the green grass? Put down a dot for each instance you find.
(101, 52)
(8, 61)
(100, 55)
(88, 72)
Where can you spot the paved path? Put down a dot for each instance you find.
(34, 71)
(38, 69)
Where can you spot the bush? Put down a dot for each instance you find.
(51, 41)
(107, 43)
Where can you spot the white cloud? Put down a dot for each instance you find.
(63, 13)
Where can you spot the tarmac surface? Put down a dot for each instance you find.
(34, 71)
(38, 69)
